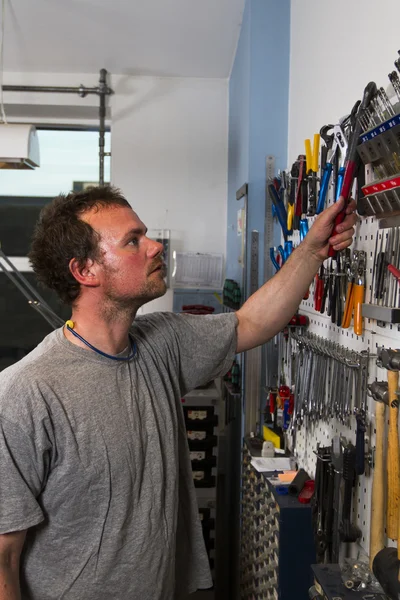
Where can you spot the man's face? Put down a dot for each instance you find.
(130, 268)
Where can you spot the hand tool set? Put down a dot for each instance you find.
(384, 296)
(341, 419)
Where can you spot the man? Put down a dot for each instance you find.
(96, 495)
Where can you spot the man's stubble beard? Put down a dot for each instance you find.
(117, 304)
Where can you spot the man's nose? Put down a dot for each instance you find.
(154, 248)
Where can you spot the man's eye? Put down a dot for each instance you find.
(134, 242)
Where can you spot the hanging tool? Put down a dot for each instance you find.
(279, 257)
(355, 293)
(301, 187)
(390, 360)
(349, 532)
(359, 410)
(352, 156)
(279, 207)
(294, 178)
(394, 80)
(335, 142)
(312, 159)
(337, 462)
(319, 286)
(379, 392)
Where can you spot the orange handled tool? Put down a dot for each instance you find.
(355, 294)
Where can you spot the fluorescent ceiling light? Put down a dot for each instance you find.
(19, 146)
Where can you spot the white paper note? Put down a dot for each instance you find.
(267, 465)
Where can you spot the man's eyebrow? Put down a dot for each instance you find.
(135, 231)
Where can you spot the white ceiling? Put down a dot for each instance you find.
(181, 38)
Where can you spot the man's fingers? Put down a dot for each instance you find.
(348, 223)
(351, 207)
(345, 238)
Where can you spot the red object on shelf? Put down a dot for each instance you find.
(307, 492)
(395, 272)
(299, 321)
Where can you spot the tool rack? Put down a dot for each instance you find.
(276, 541)
(370, 232)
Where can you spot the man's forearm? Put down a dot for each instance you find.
(9, 583)
(269, 309)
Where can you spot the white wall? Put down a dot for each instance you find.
(336, 49)
(169, 156)
(169, 148)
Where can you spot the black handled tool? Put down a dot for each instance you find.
(348, 531)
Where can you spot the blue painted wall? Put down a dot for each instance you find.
(258, 114)
(239, 138)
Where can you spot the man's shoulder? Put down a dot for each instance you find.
(19, 381)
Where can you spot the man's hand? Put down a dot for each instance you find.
(320, 236)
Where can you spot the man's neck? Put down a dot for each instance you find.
(107, 334)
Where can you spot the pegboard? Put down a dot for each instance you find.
(373, 336)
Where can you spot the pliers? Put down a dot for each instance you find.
(336, 141)
(283, 254)
(355, 293)
(279, 207)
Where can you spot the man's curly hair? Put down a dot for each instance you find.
(61, 235)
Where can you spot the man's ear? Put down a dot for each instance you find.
(85, 274)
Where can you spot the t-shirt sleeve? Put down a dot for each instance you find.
(206, 347)
(23, 466)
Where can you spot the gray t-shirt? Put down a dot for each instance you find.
(94, 462)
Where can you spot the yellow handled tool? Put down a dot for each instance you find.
(358, 299)
(315, 154)
(290, 216)
(309, 161)
(393, 458)
(377, 533)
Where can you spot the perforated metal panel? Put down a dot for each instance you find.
(373, 336)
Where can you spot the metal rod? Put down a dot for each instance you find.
(82, 91)
(102, 122)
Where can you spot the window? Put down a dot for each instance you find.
(69, 159)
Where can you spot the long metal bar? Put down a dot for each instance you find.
(102, 119)
(34, 299)
(82, 91)
(102, 90)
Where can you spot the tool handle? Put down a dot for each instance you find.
(359, 291)
(393, 472)
(395, 272)
(290, 217)
(280, 209)
(318, 292)
(323, 190)
(273, 259)
(377, 540)
(315, 154)
(348, 179)
(360, 446)
(335, 529)
(348, 309)
(307, 145)
(339, 183)
(338, 220)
